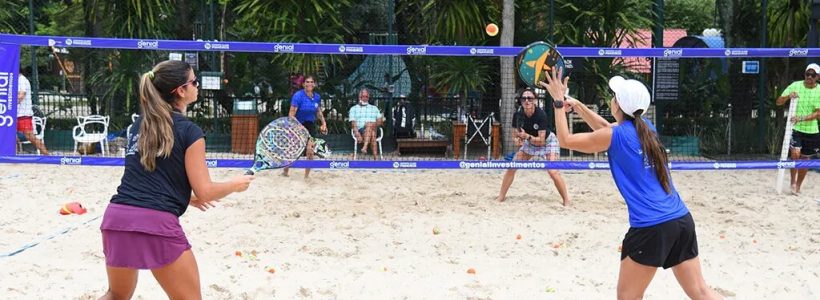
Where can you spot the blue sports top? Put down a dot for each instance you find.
(648, 204)
(305, 106)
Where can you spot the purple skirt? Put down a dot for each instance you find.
(141, 238)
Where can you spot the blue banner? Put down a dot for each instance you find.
(364, 49)
(9, 66)
(432, 164)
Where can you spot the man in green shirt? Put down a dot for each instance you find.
(805, 136)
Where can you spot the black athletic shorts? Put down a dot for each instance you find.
(807, 142)
(311, 127)
(663, 245)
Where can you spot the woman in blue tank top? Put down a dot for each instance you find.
(662, 231)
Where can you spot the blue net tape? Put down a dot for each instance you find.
(432, 164)
(363, 49)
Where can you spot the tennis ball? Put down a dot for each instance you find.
(436, 231)
(491, 29)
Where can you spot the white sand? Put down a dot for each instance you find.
(368, 235)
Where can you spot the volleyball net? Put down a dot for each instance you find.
(438, 106)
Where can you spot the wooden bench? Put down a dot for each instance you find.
(422, 144)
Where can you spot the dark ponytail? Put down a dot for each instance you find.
(653, 150)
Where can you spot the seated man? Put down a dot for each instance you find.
(365, 120)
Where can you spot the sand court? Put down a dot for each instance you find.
(363, 234)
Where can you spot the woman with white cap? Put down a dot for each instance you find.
(662, 231)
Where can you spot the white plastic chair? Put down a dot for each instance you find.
(482, 129)
(39, 130)
(134, 117)
(87, 131)
(379, 137)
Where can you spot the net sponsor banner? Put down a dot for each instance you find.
(429, 164)
(9, 67)
(362, 49)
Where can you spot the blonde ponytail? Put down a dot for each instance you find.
(156, 135)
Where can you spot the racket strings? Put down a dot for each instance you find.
(280, 143)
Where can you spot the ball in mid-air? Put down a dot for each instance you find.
(491, 29)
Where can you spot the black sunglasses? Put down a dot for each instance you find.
(810, 74)
(528, 99)
(195, 82)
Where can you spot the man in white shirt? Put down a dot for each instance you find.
(25, 112)
(365, 120)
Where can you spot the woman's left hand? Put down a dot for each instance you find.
(554, 85)
(199, 204)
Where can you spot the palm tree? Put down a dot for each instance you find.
(462, 74)
(12, 16)
(314, 21)
(605, 23)
(788, 27)
(128, 19)
(449, 21)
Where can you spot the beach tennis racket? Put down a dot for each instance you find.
(279, 144)
(535, 60)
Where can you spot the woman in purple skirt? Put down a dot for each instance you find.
(164, 163)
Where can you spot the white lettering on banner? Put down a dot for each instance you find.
(220, 46)
(283, 48)
(342, 48)
(610, 52)
(786, 165)
(502, 165)
(6, 103)
(724, 165)
(52, 42)
(799, 52)
(475, 51)
(143, 44)
(673, 53)
(350, 49)
(339, 164)
(736, 52)
(211, 163)
(404, 165)
(416, 50)
(77, 42)
(594, 165)
(208, 46)
(71, 160)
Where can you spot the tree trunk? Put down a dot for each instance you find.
(725, 10)
(507, 75)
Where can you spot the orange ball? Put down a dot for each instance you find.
(72, 208)
(491, 29)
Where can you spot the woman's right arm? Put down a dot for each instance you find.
(200, 179)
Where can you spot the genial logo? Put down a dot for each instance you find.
(283, 48)
(672, 52)
(799, 52)
(142, 44)
(416, 50)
